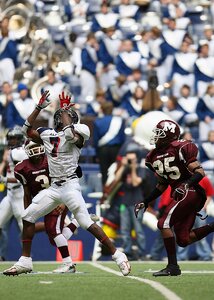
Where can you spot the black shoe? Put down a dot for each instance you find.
(170, 270)
(2, 258)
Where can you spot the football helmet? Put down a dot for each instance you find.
(57, 117)
(33, 149)
(15, 137)
(165, 132)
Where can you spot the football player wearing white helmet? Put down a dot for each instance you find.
(175, 163)
(63, 147)
(12, 203)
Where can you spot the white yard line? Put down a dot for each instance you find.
(168, 294)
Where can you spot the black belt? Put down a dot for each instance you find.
(14, 187)
(60, 182)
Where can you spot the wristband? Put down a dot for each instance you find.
(38, 107)
(26, 126)
(196, 178)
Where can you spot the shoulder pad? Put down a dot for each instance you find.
(180, 143)
(42, 129)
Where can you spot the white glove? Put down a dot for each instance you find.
(44, 101)
(3, 179)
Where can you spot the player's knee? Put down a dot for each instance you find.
(182, 241)
(29, 219)
(84, 224)
(83, 219)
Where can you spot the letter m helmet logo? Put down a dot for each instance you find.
(169, 127)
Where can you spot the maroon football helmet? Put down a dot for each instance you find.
(165, 132)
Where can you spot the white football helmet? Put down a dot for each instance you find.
(33, 149)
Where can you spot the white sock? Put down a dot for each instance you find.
(67, 233)
(74, 221)
(116, 254)
(67, 260)
(25, 258)
(60, 241)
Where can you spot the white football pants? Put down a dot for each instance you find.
(69, 194)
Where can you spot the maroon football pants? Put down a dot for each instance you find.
(181, 215)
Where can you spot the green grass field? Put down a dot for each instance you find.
(103, 281)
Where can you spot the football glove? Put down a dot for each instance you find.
(181, 191)
(3, 179)
(138, 207)
(65, 100)
(43, 101)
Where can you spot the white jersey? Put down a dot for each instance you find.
(63, 155)
(15, 155)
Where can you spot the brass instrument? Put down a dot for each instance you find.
(37, 51)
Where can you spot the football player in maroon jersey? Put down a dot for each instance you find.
(34, 175)
(175, 163)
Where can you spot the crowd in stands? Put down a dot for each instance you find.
(119, 58)
(112, 47)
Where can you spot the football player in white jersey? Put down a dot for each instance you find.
(12, 203)
(63, 146)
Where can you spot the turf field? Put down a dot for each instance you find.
(103, 281)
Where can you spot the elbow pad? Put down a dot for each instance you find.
(82, 130)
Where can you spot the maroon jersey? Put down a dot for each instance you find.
(171, 162)
(35, 176)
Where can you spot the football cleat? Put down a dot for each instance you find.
(24, 265)
(16, 270)
(122, 262)
(170, 270)
(65, 268)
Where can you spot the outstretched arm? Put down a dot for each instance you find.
(159, 189)
(27, 127)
